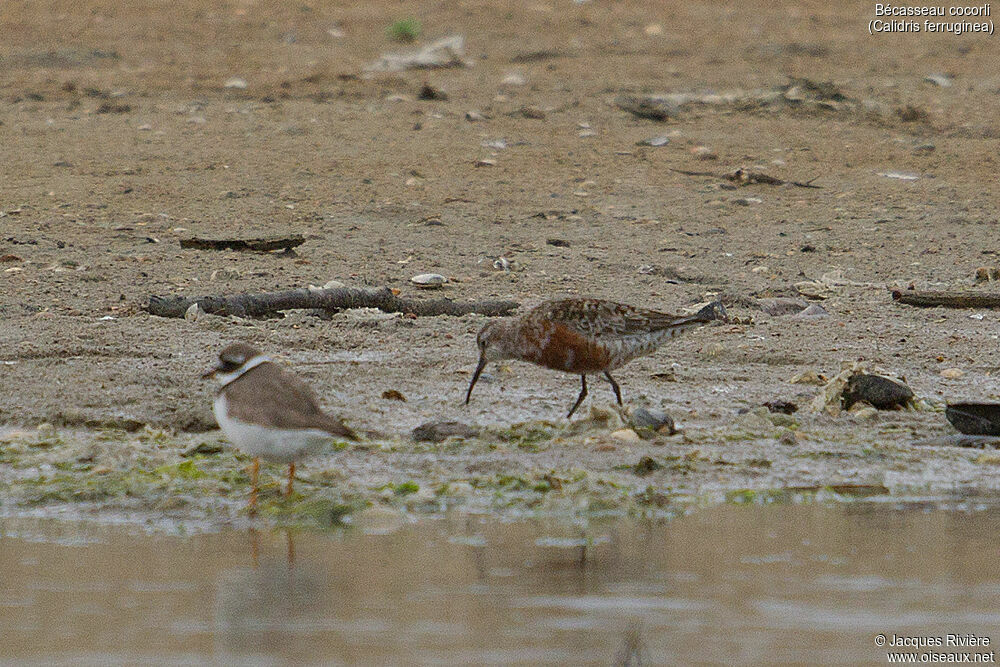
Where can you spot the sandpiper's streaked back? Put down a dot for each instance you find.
(269, 413)
(583, 336)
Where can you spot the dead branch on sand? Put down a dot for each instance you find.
(933, 299)
(265, 304)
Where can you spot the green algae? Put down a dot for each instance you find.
(528, 436)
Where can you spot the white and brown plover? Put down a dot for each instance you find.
(583, 336)
(269, 413)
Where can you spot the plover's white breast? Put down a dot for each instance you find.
(274, 444)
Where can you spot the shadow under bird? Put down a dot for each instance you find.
(268, 413)
(583, 336)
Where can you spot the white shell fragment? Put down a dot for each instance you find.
(429, 280)
(193, 312)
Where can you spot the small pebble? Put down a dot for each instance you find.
(235, 82)
(513, 79)
(224, 274)
(704, 153)
(778, 306)
(626, 435)
(813, 311)
(654, 141)
(808, 377)
(782, 406)
(652, 420)
(788, 438)
(865, 414)
(942, 80)
(429, 280)
(952, 373)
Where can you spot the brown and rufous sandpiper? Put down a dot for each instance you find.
(583, 336)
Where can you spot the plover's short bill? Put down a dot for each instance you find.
(583, 336)
(269, 413)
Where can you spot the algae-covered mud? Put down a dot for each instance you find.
(788, 163)
(592, 467)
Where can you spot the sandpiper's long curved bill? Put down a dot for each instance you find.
(475, 377)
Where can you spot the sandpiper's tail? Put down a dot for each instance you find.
(713, 311)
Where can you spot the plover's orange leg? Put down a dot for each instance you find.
(291, 476)
(254, 475)
(579, 400)
(614, 385)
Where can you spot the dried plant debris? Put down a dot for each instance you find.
(744, 177)
(830, 284)
(446, 52)
(801, 94)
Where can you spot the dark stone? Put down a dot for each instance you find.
(975, 418)
(880, 392)
(652, 420)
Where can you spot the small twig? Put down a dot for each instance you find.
(744, 177)
(262, 244)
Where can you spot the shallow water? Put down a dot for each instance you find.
(729, 584)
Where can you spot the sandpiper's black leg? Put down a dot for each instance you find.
(579, 400)
(614, 385)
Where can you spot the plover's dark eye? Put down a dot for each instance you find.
(228, 365)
